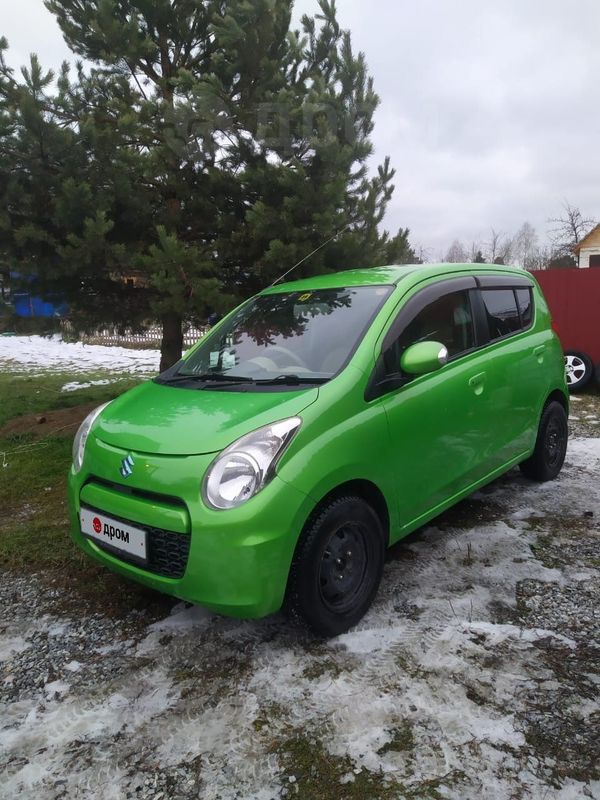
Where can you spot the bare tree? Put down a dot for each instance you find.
(499, 247)
(525, 245)
(538, 258)
(422, 254)
(476, 252)
(457, 253)
(568, 229)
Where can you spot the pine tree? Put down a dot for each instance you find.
(208, 150)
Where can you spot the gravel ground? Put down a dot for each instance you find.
(475, 675)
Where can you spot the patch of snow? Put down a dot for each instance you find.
(73, 386)
(54, 726)
(183, 618)
(11, 646)
(55, 688)
(31, 353)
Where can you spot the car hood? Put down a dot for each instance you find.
(154, 418)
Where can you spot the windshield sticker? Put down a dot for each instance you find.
(214, 358)
(228, 360)
(304, 297)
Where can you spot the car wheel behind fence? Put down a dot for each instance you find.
(580, 370)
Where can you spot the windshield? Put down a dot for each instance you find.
(287, 338)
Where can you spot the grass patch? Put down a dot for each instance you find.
(34, 526)
(314, 774)
(402, 740)
(30, 394)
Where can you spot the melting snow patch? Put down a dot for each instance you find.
(76, 385)
(30, 353)
(11, 646)
(55, 688)
(434, 689)
(183, 619)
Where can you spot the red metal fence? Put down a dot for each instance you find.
(574, 299)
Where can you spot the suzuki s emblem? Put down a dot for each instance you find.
(126, 467)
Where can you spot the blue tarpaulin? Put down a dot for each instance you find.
(27, 306)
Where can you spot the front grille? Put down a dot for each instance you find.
(167, 551)
(143, 494)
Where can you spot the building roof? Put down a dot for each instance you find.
(586, 238)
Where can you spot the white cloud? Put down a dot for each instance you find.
(488, 111)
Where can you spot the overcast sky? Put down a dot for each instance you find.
(490, 111)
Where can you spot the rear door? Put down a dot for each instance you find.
(517, 369)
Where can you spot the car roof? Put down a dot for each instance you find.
(389, 275)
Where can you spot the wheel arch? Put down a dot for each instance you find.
(359, 487)
(559, 397)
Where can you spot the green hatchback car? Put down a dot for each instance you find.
(314, 426)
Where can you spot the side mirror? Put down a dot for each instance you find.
(424, 357)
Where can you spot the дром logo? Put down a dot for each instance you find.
(97, 524)
(126, 467)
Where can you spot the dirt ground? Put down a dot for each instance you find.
(60, 422)
(476, 674)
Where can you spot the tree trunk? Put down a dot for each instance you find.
(172, 340)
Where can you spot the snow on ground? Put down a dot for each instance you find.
(476, 674)
(73, 386)
(39, 353)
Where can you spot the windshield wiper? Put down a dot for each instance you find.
(206, 377)
(292, 380)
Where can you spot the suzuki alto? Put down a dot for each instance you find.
(316, 425)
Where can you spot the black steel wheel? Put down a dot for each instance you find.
(551, 445)
(337, 567)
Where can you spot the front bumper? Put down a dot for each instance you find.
(238, 560)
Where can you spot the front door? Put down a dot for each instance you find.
(439, 423)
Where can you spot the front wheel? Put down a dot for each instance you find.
(337, 567)
(551, 445)
(579, 370)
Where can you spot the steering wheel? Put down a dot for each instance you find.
(288, 353)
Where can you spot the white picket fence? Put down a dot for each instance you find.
(149, 338)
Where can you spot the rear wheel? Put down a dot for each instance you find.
(551, 445)
(580, 370)
(337, 567)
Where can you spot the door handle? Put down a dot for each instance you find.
(539, 351)
(476, 382)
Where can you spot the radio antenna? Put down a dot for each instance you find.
(316, 250)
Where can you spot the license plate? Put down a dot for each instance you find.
(113, 533)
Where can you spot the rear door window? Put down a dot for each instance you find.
(502, 312)
(525, 302)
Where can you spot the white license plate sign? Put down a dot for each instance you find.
(114, 533)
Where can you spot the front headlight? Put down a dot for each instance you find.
(246, 466)
(82, 435)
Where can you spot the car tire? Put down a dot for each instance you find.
(337, 567)
(551, 445)
(580, 370)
